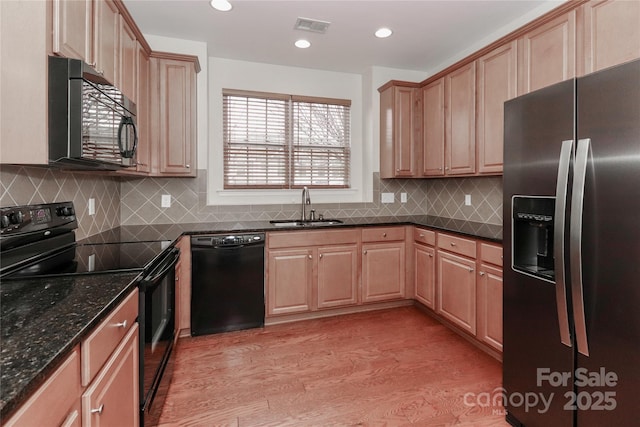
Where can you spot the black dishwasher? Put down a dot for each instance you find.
(227, 283)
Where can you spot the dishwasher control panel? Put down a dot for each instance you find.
(228, 240)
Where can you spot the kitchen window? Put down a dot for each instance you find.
(285, 141)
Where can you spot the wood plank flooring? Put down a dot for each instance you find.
(394, 367)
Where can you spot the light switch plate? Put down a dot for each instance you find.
(467, 199)
(403, 197)
(91, 206)
(387, 198)
(166, 201)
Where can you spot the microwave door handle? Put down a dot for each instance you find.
(577, 206)
(127, 122)
(566, 156)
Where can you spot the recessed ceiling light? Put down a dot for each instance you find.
(302, 43)
(221, 5)
(383, 33)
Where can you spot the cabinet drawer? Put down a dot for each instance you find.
(427, 237)
(458, 245)
(98, 346)
(382, 234)
(56, 400)
(291, 239)
(490, 253)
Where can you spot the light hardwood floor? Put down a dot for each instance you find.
(394, 367)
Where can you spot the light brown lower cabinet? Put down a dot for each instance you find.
(383, 271)
(425, 274)
(289, 281)
(112, 398)
(457, 290)
(490, 305)
(183, 288)
(337, 284)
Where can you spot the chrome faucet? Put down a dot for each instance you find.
(306, 200)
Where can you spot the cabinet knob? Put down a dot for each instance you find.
(482, 273)
(453, 244)
(98, 410)
(309, 256)
(384, 234)
(421, 235)
(187, 166)
(121, 324)
(430, 255)
(320, 256)
(446, 168)
(470, 270)
(365, 252)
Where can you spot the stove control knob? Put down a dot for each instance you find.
(16, 217)
(65, 211)
(4, 221)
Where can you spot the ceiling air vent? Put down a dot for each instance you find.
(313, 25)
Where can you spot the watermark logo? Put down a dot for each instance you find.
(603, 399)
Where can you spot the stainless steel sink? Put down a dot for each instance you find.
(306, 223)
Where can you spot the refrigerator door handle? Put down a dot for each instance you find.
(577, 205)
(566, 154)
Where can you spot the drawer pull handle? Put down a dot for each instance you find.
(482, 273)
(98, 410)
(453, 244)
(121, 324)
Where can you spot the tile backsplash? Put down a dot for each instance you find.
(31, 185)
(140, 203)
(136, 201)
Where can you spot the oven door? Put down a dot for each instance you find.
(157, 319)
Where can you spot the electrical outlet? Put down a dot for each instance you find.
(91, 206)
(403, 197)
(387, 198)
(166, 201)
(467, 199)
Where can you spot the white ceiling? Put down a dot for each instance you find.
(426, 33)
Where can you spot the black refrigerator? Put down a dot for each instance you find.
(572, 252)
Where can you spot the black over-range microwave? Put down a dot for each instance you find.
(92, 125)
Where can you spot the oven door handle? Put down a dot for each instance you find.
(169, 261)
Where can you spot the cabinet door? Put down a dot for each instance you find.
(183, 287)
(107, 24)
(73, 29)
(425, 275)
(547, 55)
(611, 33)
(337, 276)
(490, 306)
(405, 131)
(113, 399)
(143, 153)
(382, 271)
(176, 121)
(456, 300)
(128, 61)
(460, 103)
(497, 78)
(433, 124)
(289, 281)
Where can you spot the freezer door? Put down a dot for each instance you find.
(609, 116)
(535, 127)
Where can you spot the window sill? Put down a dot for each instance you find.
(275, 197)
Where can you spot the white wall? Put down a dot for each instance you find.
(199, 49)
(232, 74)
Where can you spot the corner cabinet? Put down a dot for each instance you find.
(173, 114)
(400, 118)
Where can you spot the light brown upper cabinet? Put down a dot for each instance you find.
(73, 29)
(106, 44)
(143, 152)
(460, 121)
(173, 114)
(399, 131)
(611, 34)
(128, 61)
(433, 129)
(547, 54)
(497, 78)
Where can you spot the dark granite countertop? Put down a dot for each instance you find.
(43, 319)
(132, 233)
